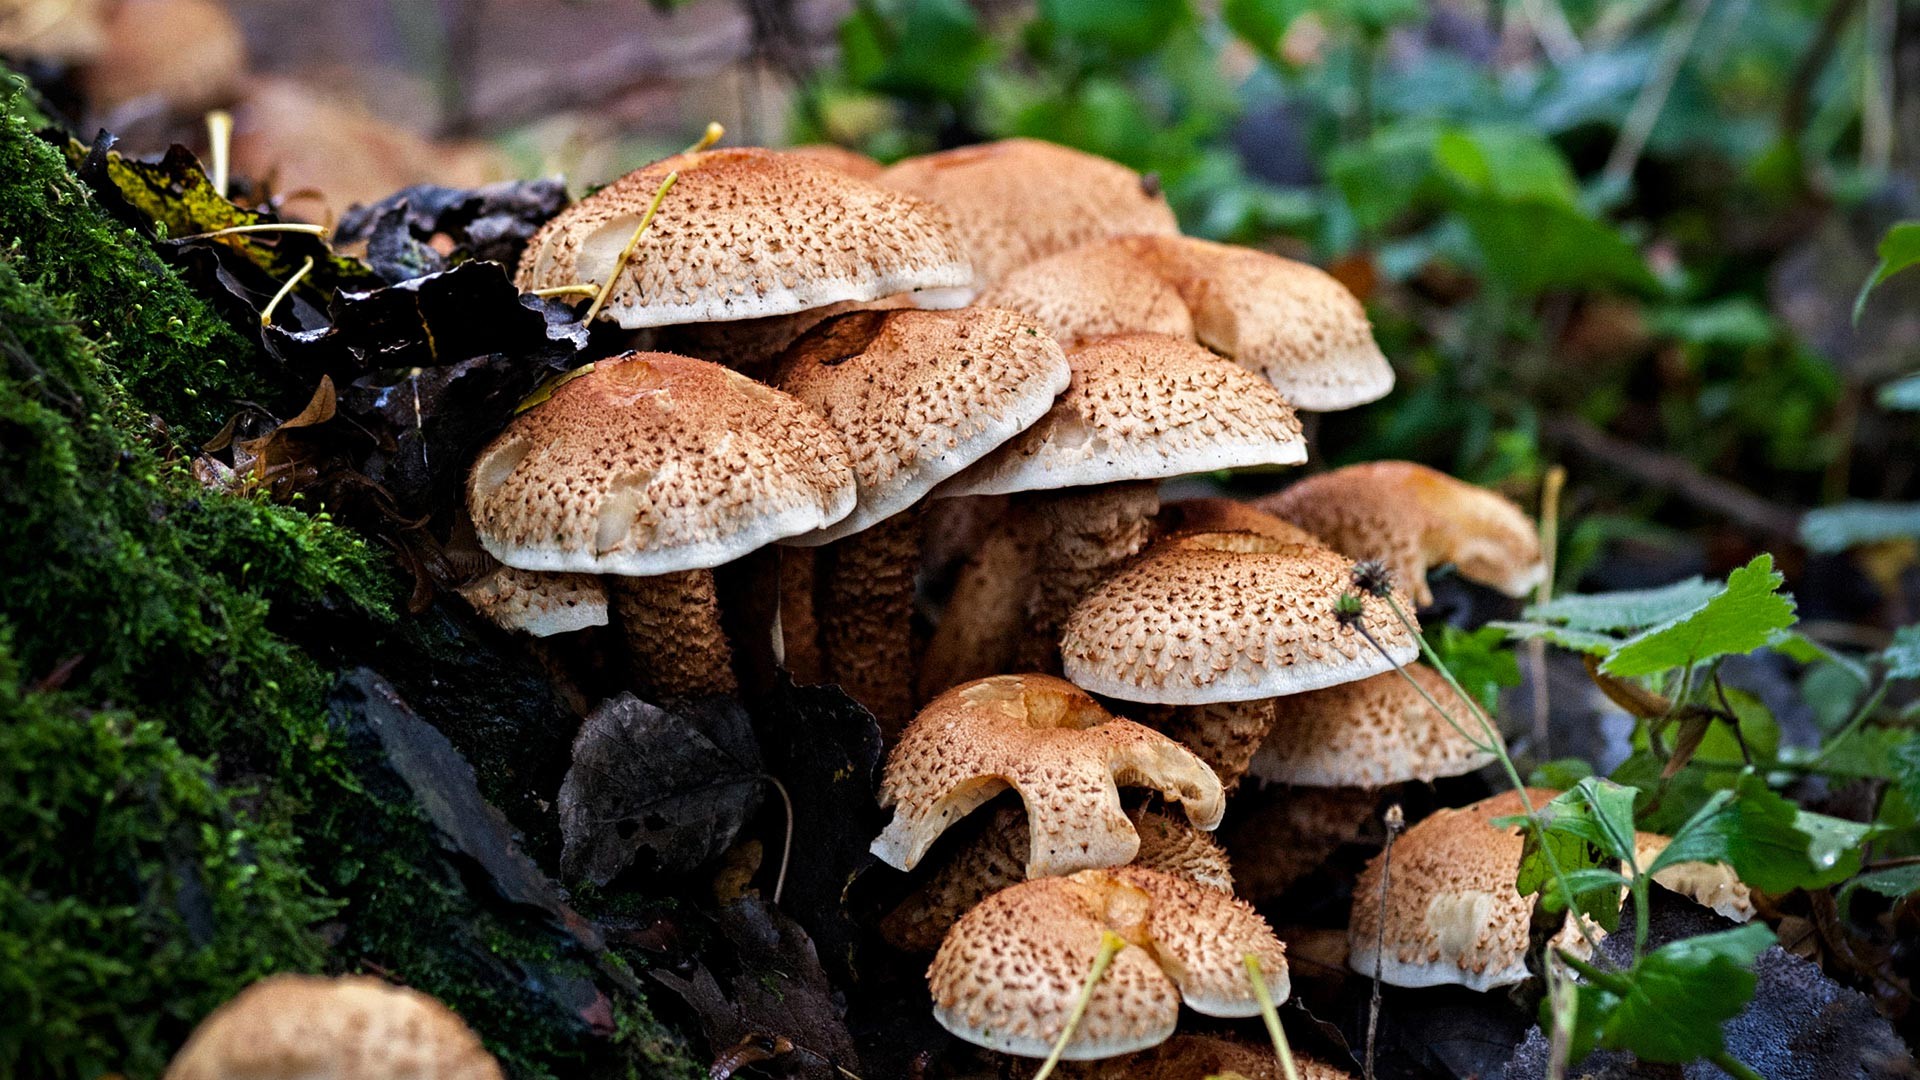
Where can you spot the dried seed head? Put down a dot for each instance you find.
(1372, 576)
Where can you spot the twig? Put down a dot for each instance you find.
(1110, 946)
(1396, 819)
(1675, 475)
(786, 846)
(626, 253)
(262, 227)
(1653, 94)
(266, 313)
(1796, 107)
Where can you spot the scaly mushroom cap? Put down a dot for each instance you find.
(839, 158)
(1188, 625)
(538, 604)
(1212, 514)
(190, 55)
(1369, 734)
(1142, 407)
(1711, 885)
(1092, 291)
(995, 859)
(1453, 915)
(653, 463)
(1063, 753)
(354, 1027)
(1198, 1057)
(1293, 324)
(1018, 200)
(1414, 518)
(920, 395)
(744, 234)
(1009, 971)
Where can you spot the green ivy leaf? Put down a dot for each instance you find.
(1560, 774)
(1584, 828)
(1531, 247)
(1680, 994)
(1633, 609)
(1739, 619)
(1770, 843)
(1899, 249)
(1506, 161)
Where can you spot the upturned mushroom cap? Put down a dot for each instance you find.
(349, 1028)
(1018, 200)
(920, 395)
(833, 156)
(1092, 291)
(1369, 734)
(1711, 885)
(1065, 756)
(994, 859)
(1413, 519)
(1188, 625)
(1452, 913)
(1293, 324)
(653, 463)
(744, 234)
(1142, 407)
(1009, 971)
(1212, 514)
(538, 604)
(1199, 1057)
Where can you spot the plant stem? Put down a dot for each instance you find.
(1653, 94)
(1853, 723)
(261, 227)
(266, 313)
(220, 142)
(1550, 488)
(1395, 819)
(1271, 1016)
(626, 253)
(1734, 1067)
(1110, 946)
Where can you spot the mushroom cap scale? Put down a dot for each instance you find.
(1056, 747)
(1188, 625)
(1452, 913)
(1142, 407)
(919, 396)
(744, 234)
(1369, 733)
(542, 605)
(651, 464)
(1414, 518)
(1018, 200)
(353, 1027)
(1293, 324)
(1092, 291)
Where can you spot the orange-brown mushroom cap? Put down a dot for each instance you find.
(1213, 514)
(1291, 323)
(1092, 291)
(651, 464)
(1711, 885)
(744, 234)
(538, 604)
(354, 1027)
(834, 156)
(1142, 407)
(1009, 971)
(1414, 518)
(1018, 200)
(920, 395)
(1065, 756)
(1370, 733)
(1188, 625)
(1452, 912)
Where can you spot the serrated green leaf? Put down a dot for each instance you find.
(1833, 845)
(1582, 641)
(1680, 994)
(1845, 525)
(1899, 249)
(1902, 394)
(1591, 1006)
(1902, 658)
(1633, 609)
(1585, 828)
(1741, 618)
(1770, 843)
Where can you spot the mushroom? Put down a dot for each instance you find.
(1711, 885)
(1369, 734)
(978, 631)
(63, 31)
(1018, 200)
(917, 396)
(1140, 408)
(1198, 1057)
(837, 157)
(1011, 971)
(751, 345)
(1092, 291)
(537, 604)
(1219, 515)
(353, 1027)
(1413, 518)
(743, 234)
(1058, 749)
(184, 56)
(1293, 324)
(651, 469)
(1452, 914)
(995, 858)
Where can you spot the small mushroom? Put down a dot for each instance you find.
(1370, 733)
(651, 469)
(1451, 913)
(1199, 1057)
(744, 234)
(1413, 518)
(540, 605)
(1711, 885)
(1218, 515)
(353, 1027)
(917, 396)
(995, 858)
(1065, 756)
(1092, 291)
(1011, 970)
(1018, 200)
(1291, 323)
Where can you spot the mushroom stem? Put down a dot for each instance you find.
(865, 613)
(1110, 946)
(799, 625)
(675, 644)
(1224, 734)
(978, 630)
(1087, 532)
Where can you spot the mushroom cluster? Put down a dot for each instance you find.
(976, 368)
